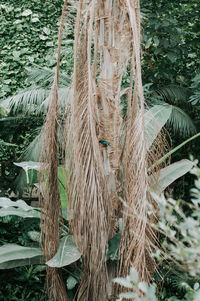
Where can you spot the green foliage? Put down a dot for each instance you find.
(24, 230)
(17, 208)
(140, 291)
(178, 98)
(67, 253)
(170, 57)
(178, 256)
(23, 283)
(170, 37)
(154, 120)
(12, 255)
(171, 173)
(28, 31)
(195, 98)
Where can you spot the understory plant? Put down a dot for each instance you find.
(177, 257)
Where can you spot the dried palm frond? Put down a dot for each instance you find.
(100, 172)
(50, 201)
(107, 158)
(138, 238)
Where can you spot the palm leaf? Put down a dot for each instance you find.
(174, 94)
(44, 77)
(26, 101)
(34, 101)
(161, 160)
(195, 98)
(179, 98)
(154, 119)
(12, 255)
(181, 122)
(64, 95)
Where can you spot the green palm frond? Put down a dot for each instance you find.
(34, 101)
(181, 122)
(32, 152)
(26, 101)
(179, 99)
(43, 77)
(174, 94)
(195, 98)
(64, 95)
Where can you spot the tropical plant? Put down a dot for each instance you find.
(178, 226)
(195, 98)
(107, 157)
(112, 163)
(178, 98)
(16, 254)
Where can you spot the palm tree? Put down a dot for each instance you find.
(107, 156)
(178, 98)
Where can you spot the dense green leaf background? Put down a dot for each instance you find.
(28, 31)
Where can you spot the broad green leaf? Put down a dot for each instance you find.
(172, 172)
(6, 203)
(29, 165)
(154, 119)
(18, 208)
(20, 262)
(34, 236)
(12, 255)
(61, 183)
(31, 169)
(27, 12)
(113, 244)
(67, 253)
(71, 282)
(19, 212)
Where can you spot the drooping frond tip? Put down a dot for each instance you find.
(50, 198)
(107, 43)
(106, 155)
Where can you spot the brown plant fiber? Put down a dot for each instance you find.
(50, 199)
(105, 181)
(107, 40)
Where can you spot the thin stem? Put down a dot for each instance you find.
(174, 150)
